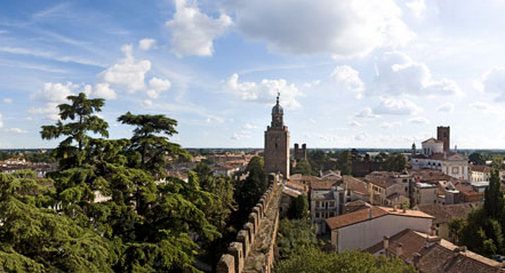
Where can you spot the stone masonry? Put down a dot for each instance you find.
(253, 250)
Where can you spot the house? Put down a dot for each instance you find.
(450, 163)
(479, 173)
(291, 190)
(326, 200)
(425, 193)
(364, 228)
(355, 189)
(431, 254)
(388, 188)
(444, 214)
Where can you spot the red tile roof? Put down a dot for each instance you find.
(371, 213)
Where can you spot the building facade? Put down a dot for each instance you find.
(326, 200)
(276, 153)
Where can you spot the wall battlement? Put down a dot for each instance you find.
(253, 249)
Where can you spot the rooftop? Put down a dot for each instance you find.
(369, 214)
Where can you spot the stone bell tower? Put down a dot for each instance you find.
(277, 143)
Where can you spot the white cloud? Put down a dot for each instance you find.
(354, 123)
(446, 107)
(396, 106)
(1, 121)
(146, 44)
(128, 73)
(147, 103)
(51, 95)
(361, 136)
(487, 108)
(493, 82)
(193, 32)
(265, 91)
(398, 73)
(156, 86)
(366, 113)
(7, 100)
(348, 79)
(418, 7)
(241, 135)
(15, 130)
(389, 125)
(249, 126)
(103, 90)
(341, 28)
(419, 120)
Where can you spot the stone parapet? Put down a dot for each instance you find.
(253, 250)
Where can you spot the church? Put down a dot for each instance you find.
(276, 151)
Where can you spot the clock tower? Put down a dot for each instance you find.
(276, 151)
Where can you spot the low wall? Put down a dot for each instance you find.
(236, 258)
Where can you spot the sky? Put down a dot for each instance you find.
(355, 73)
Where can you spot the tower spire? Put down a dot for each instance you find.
(278, 95)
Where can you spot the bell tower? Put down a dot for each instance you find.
(276, 151)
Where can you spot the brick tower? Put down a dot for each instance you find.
(443, 134)
(277, 143)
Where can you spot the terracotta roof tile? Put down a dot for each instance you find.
(371, 213)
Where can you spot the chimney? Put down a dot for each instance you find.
(399, 249)
(415, 259)
(433, 231)
(459, 249)
(385, 243)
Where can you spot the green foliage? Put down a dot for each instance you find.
(39, 240)
(150, 141)
(483, 230)
(395, 162)
(299, 208)
(345, 162)
(476, 159)
(252, 188)
(294, 235)
(71, 151)
(151, 223)
(493, 197)
(313, 260)
(303, 167)
(221, 203)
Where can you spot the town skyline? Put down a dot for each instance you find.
(425, 66)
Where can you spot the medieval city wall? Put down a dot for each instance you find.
(253, 249)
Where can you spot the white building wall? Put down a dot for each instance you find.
(366, 234)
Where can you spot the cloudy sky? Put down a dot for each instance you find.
(355, 73)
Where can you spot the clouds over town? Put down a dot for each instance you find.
(348, 73)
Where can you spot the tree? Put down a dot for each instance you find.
(395, 162)
(150, 141)
(476, 159)
(299, 208)
(152, 222)
(313, 260)
(294, 235)
(252, 188)
(303, 167)
(34, 239)
(493, 197)
(71, 151)
(345, 162)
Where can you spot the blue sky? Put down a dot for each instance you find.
(357, 73)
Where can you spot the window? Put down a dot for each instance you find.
(317, 204)
(332, 204)
(455, 170)
(317, 214)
